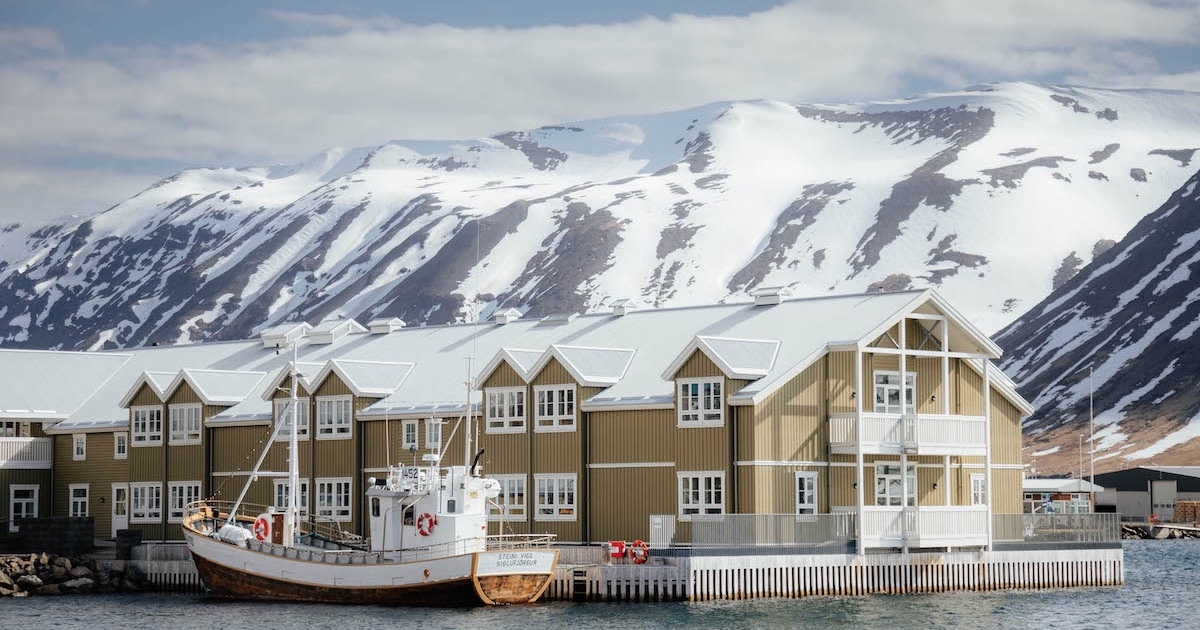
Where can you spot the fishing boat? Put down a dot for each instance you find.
(427, 544)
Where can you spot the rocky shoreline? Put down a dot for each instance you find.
(46, 574)
(1149, 532)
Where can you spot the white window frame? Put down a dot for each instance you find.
(280, 492)
(410, 434)
(31, 502)
(10, 428)
(701, 492)
(79, 504)
(433, 433)
(886, 476)
(337, 426)
(120, 445)
(554, 408)
(146, 426)
(892, 385)
(700, 402)
(339, 505)
(556, 497)
(806, 492)
(145, 502)
(79, 447)
(978, 489)
(179, 494)
(303, 419)
(504, 410)
(186, 422)
(510, 505)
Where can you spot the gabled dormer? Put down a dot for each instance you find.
(564, 376)
(708, 368)
(330, 331)
(283, 334)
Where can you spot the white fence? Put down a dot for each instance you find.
(26, 453)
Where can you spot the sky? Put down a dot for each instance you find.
(99, 99)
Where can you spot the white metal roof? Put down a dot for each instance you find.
(32, 381)
(218, 387)
(592, 367)
(1047, 484)
(366, 378)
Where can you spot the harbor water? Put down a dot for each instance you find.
(1162, 590)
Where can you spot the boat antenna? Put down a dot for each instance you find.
(1091, 438)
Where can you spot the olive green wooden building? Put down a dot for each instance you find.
(883, 407)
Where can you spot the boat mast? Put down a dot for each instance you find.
(292, 518)
(467, 416)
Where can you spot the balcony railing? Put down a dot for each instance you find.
(923, 434)
(25, 453)
(1056, 530)
(929, 526)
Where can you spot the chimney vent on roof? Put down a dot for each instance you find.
(623, 306)
(766, 296)
(557, 319)
(504, 317)
(383, 326)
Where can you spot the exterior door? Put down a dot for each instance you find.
(120, 507)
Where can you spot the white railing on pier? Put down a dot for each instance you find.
(25, 453)
(928, 526)
(928, 434)
(726, 531)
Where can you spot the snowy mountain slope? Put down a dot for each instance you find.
(989, 194)
(1129, 322)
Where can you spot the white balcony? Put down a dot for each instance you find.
(917, 434)
(25, 453)
(929, 526)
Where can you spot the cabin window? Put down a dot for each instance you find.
(978, 490)
(185, 424)
(888, 484)
(700, 403)
(333, 418)
(555, 498)
(887, 392)
(146, 426)
(333, 499)
(283, 408)
(375, 507)
(79, 499)
(410, 430)
(79, 447)
(410, 517)
(120, 445)
(806, 493)
(510, 505)
(23, 503)
(433, 433)
(555, 408)
(181, 493)
(282, 490)
(145, 502)
(701, 493)
(505, 411)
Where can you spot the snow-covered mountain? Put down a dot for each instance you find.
(1126, 327)
(993, 195)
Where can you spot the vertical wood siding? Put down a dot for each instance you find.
(39, 478)
(624, 498)
(99, 471)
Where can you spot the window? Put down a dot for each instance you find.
(8, 428)
(506, 410)
(180, 494)
(282, 490)
(79, 447)
(978, 490)
(23, 503)
(433, 433)
(510, 505)
(333, 499)
(410, 430)
(185, 424)
(146, 425)
(700, 402)
(555, 498)
(283, 413)
(333, 418)
(145, 502)
(79, 499)
(121, 445)
(555, 408)
(701, 493)
(806, 493)
(887, 392)
(888, 484)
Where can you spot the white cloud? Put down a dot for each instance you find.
(348, 81)
(15, 41)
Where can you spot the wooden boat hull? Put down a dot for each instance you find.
(231, 572)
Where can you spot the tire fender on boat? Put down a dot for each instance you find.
(425, 524)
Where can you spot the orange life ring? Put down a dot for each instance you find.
(1153, 519)
(262, 528)
(425, 524)
(639, 552)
